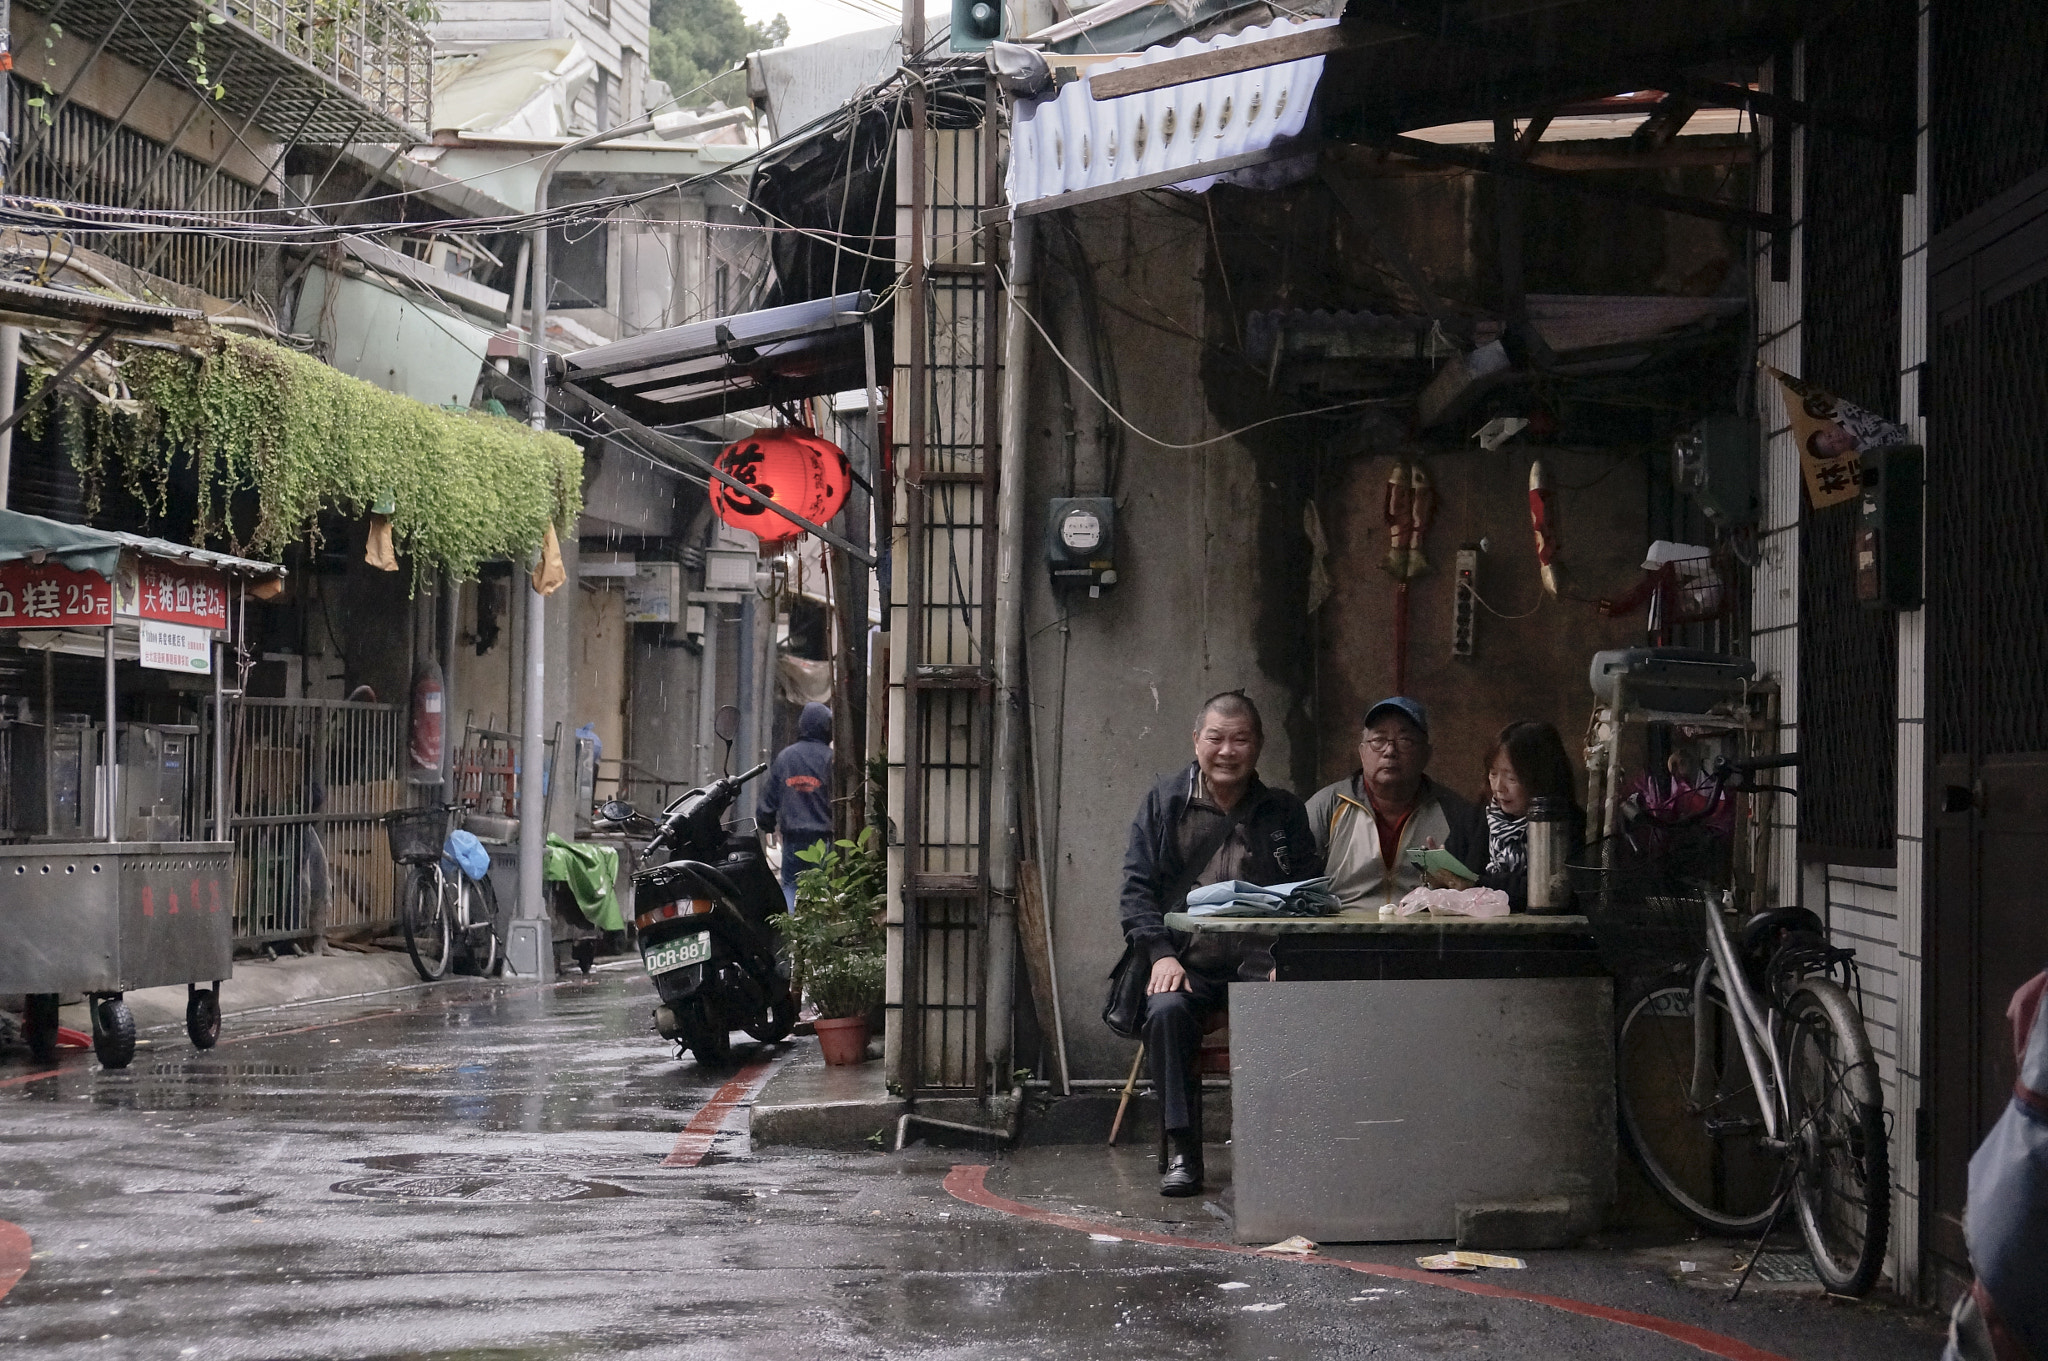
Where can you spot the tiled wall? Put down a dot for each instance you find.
(1904, 1067)
(1774, 602)
(1877, 912)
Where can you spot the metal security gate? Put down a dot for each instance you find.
(945, 382)
(1986, 397)
(308, 780)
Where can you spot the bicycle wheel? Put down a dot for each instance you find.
(424, 915)
(1706, 1156)
(1843, 1195)
(480, 926)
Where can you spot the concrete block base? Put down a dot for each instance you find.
(1371, 1111)
(1550, 1222)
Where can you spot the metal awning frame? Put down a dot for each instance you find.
(666, 449)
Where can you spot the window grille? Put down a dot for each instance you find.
(1848, 656)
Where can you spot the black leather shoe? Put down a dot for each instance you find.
(1183, 1167)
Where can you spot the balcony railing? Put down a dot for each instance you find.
(305, 71)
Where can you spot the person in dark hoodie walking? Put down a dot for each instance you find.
(796, 805)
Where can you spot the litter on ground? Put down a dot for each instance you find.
(1297, 1245)
(1467, 1261)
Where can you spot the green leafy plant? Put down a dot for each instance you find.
(247, 415)
(835, 934)
(197, 60)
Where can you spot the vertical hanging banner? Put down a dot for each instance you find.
(49, 595)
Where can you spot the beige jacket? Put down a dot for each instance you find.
(1367, 874)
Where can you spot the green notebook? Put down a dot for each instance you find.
(1437, 858)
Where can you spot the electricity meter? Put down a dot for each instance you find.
(1080, 542)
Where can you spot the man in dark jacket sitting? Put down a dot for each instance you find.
(1213, 821)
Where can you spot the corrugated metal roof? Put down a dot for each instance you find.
(708, 368)
(36, 306)
(1072, 142)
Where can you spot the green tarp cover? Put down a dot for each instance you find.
(84, 549)
(589, 871)
(77, 547)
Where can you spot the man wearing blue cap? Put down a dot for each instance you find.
(1365, 824)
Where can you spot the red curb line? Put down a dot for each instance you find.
(967, 1182)
(52, 1071)
(14, 1249)
(695, 1140)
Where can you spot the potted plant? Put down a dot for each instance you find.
(836, 942)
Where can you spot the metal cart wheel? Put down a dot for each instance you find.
(39, 1026)
(202, 1015)
(113, 1031)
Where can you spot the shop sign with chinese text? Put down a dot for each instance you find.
(176, 647)
(173, 593)
(49, 595)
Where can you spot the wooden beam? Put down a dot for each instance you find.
(1224, 61)
(1672, 113)
(1557, 179)
(1531, 135)
(1605, 154)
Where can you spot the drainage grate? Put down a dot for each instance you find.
(1784, 1268)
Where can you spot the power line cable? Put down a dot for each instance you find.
(1151, 438)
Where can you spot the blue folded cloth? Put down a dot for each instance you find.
(1237, 898)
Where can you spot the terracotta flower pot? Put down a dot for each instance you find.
(843, 1040)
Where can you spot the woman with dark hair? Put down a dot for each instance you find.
(1527, 763)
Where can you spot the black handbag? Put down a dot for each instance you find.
(1124, 1012)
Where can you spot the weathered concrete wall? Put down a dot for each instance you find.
(1213, 560)
(1531, 664)
(1115, 682)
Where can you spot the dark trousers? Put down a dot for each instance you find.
(1173, 1041)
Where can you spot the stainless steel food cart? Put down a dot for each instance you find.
(130, 884)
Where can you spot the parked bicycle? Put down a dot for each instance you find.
(1746, 1084)
(442, 911)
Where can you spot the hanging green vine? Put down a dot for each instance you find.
(249, 415)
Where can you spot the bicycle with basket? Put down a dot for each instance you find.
(1746, 1085)
(443, 911)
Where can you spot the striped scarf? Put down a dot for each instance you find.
(1507, 840)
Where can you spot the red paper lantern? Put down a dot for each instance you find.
(792, 467)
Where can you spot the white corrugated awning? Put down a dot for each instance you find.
(1071, 147)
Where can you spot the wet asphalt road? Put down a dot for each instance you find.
(478, 1171)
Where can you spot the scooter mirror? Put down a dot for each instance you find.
(726, 723)
(617, 811)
